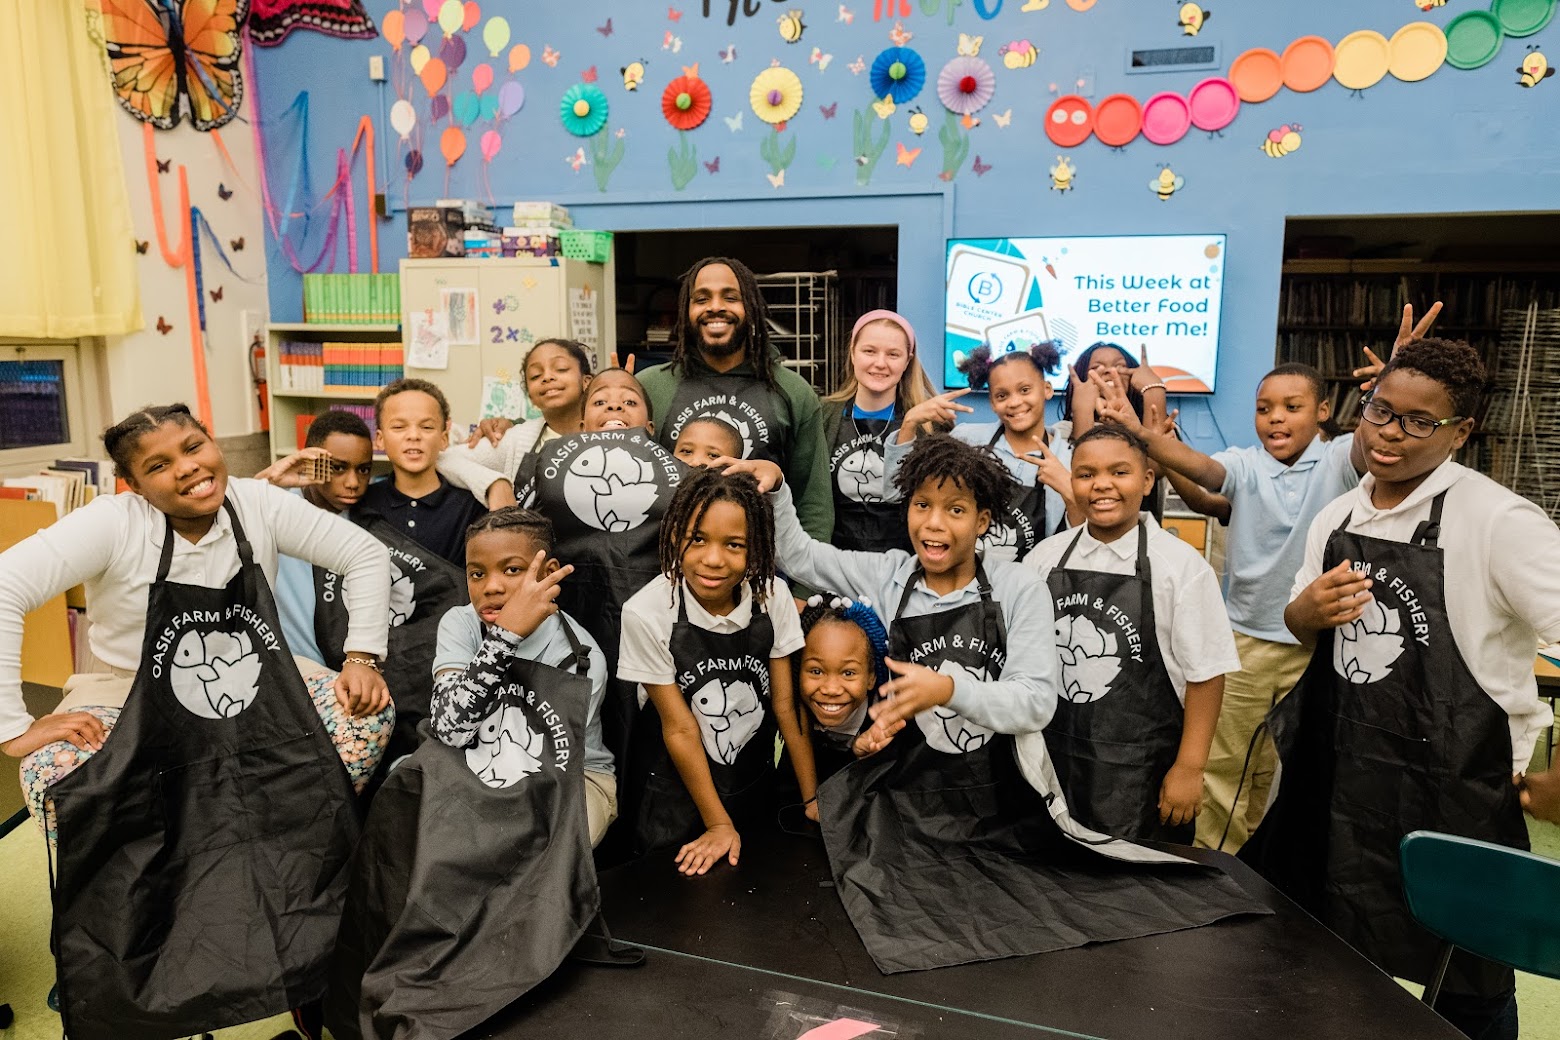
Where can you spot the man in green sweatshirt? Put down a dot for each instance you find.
(723, 366)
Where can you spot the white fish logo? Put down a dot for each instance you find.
(610, 489)
(216, 675)
(403, 599)
(860, 478)
(507, 749)
(1365, 648)
(1089, 659)
(728, 714)
(946, 730)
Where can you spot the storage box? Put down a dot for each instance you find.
(435, 231)
(541, 213)
(541, 241)
(592, 246)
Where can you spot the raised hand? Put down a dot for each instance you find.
(1054, 474)
(1143, 377)
(768, 475)
(1408, 332)
(492, 429)
(942, 410)
(300, 469)
(1114, 405)
(535, 600)
(626, 365)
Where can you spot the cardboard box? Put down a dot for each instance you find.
(435, 231)
(541, 213)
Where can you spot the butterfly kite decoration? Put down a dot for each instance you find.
(172, 58)
(271, 20)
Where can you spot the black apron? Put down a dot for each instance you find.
(1117, 729)
(605, 494)
(474, 878)
(1388, 732)
(426, 586)
(862, 519)
(724, 677)
(761, 416)
(1022, 525)
(202, 851)
(943, 853)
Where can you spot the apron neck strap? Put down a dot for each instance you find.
(1142, 553)
(1062, 563)
(1428, 533)
(982, 585)
(581, 651)
(246, 554)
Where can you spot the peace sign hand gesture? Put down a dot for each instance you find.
(1408, 332)
(535, 600)
(942, 410)
(1114, 405)
(1054, 474)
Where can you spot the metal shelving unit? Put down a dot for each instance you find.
(804, 324)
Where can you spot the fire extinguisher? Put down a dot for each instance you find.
(257, 377)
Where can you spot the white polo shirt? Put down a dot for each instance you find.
(1502, 560)
(1190, 625)
(648, 617)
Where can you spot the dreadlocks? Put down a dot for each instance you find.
(941, 458)
(755, 325)
(700, 489)
(527, 522)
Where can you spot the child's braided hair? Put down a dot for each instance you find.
(840, 610)
(700, 489)
(528, 522)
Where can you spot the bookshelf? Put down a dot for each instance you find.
(1329, 311)
(288, 403)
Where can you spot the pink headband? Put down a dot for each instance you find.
(881, 315)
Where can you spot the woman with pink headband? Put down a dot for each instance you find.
(884, 382)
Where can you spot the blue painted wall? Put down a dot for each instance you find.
(1460, 141)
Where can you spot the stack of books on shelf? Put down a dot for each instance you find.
(69, 483)
(311, 367)
(352, 299)
(362, 411)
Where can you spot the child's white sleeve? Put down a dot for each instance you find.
(645, 655)
(1200, 637)
(786, 620)
(1315, 548)
(1525, 568)
(460, 467)
(819, 564)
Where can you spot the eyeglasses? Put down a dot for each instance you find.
(1378, 414)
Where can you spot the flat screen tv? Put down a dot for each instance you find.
(1159, 291)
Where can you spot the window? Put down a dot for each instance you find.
(44, 394)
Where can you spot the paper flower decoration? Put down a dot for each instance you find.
(898, 73)
(686, 102)
(776, 95)
(965, 85)
(583, 110)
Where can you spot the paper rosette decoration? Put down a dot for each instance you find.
(776, 95)
(965, 85)
(898, 73)
(583, 110)
(686, 102)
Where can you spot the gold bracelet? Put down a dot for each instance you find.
(362, 659)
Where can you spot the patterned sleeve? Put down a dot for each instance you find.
(463, 697)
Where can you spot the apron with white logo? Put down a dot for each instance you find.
(862, 519)
(724, 676)
(605, 494)
(761, 416)
(1117, 729)
(425, 587)
(1020, 526)
(1387, 732)
(474, 878)
(202, 851)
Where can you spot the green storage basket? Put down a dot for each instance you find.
(592, 246)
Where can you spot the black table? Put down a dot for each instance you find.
(727, 948)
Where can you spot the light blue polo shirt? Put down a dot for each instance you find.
(1271, 509)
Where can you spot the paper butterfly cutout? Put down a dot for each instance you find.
(829, 111)
(605, 30)
(216, 294)
(224, 192)
(166, 65)
(713, 165)
(163, 326)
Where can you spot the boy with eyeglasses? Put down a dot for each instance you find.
(1425, 592)
(1274, 489)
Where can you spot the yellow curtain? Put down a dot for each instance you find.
(67, 260)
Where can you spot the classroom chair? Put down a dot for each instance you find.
(1491, 901)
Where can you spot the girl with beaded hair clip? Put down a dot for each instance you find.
(840, 665)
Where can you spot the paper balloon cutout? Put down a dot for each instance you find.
(453, 52)
(482, 77)
(489, 107)
(965, 85)
(431, 8)
(471, 14)
(413, 163)
(490, 145)
(393, 26)
(519, 57)
(419, 58)
(467, 108)
(403, 118)
(452, 144)
(583, 110)
(899, 73)
(511, 97)
(415, 24)
(438, 107)
(776, 95)
(686, 102)
(434, 75)
(495, 34)
(451, 14)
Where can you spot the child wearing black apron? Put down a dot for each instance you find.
(1144, 647)
(1425, 591)
(710, 641)
(213, 771)
(942, 852)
